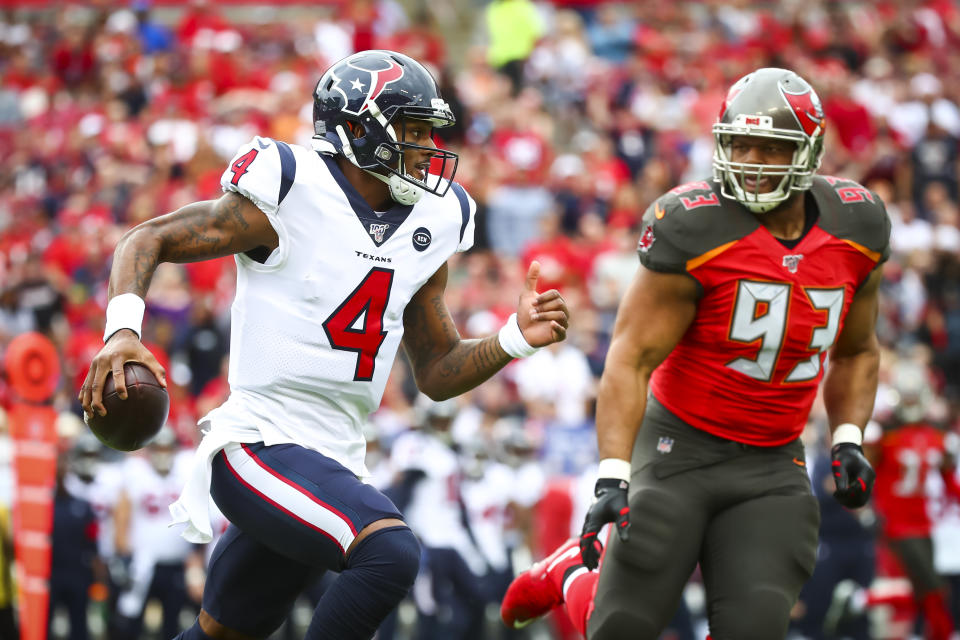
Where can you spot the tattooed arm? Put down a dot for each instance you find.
(445, 365)
(199, 231)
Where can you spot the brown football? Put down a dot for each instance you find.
(131, 423)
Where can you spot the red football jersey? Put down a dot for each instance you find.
(906, 457)
(748, 367)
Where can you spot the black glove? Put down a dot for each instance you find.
(609, 505)
(853, 475)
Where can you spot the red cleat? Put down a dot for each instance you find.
(540, 588)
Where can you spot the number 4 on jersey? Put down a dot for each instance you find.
(367, 301)
(241, 165)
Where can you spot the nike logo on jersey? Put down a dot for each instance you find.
(263, 146)
(367, 256)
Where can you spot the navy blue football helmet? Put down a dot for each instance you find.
(359, 108)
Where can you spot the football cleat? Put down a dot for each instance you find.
(539, 589)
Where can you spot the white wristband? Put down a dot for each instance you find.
(512, 340)
(848, 432)
(614, 468)
(124, 311)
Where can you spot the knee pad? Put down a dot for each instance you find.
(391, 554)
(754, 577)
(379, 573)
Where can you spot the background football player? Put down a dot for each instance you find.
(746, 283)
(907, 451)
(158, 555)
(429, 491)
(341, 255)
(99, 482)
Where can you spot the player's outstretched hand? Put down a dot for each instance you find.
(123, 346)
(609, 505)
(853, 475)
(543, 317)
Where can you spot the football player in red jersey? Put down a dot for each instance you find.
(908, 450)
(746, 283)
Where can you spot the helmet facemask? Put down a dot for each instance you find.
(374, 146)
(793, 177)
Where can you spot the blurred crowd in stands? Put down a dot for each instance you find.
(573, 116)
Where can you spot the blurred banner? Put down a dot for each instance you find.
(33, 371)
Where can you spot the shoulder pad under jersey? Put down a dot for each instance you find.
(851, 212)
(262, 170)
(687, 223)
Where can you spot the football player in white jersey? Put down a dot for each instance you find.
(341, 254)
(158, 555)
(428, 490)
(99, 483)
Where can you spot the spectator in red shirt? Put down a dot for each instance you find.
(421, 41)
(560, 264)
(850, 120)
(72, 59)
(199, 17)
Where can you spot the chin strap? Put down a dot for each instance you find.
(761, 207)
(401, 191)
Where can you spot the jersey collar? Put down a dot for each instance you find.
(392, 217)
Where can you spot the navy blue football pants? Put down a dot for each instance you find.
(294, 513)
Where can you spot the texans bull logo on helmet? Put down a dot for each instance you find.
(361, 87)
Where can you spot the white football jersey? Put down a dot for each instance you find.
(150, 494)
(102, 493)
(487, 499)
(316, 325)
(152, 542)
(435, 512)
